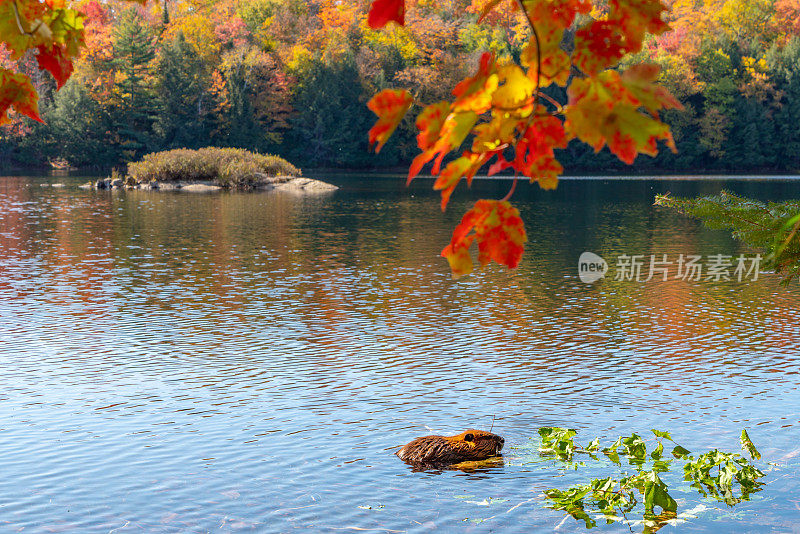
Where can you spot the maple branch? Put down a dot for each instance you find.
(538, 72)
(521, 5)
(16, 16)
(30, 33)
(553, 101)
(510, 191)
(536, 95)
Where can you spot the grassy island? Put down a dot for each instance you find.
(232, 168)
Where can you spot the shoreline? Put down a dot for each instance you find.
(403, 170)
(392, 173)
(296, 184)
(664, 177)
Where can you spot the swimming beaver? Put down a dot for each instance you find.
(445, 450)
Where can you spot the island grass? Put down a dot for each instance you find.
(226, 167)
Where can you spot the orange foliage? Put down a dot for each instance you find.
(390, 106)
(788, 16)
(17, 91)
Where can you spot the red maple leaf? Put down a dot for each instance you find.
(384, 11)
(55, 61)
(17, 91)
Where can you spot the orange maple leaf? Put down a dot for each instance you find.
(499, 231)
(429, 123)
(475, 93)
(621, 111)
(640, 80)
(547, 62)
(464, 167)
(602, 43)
(390, 105)
(599, 45)
(637, 17)
(556, 13)
(454, 130)
(17, 91)
(534, 152)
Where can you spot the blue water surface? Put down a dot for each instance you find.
(176, 362)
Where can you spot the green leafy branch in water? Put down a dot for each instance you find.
(714, 474)
(729, 467)
(773, 228)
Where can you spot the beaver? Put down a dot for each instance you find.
(445, 450)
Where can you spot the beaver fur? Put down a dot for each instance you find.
(470, 445)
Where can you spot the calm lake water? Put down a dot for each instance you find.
(227, 362)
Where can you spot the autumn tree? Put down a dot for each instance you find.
(246, 132)
(271, 88)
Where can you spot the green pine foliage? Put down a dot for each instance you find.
(76, 125)
(772, 228)
(331, 116)
(182, 119)
(134, 109)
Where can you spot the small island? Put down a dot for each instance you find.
(211, 169)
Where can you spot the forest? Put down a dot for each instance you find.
(292, 78)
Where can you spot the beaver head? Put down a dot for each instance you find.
(445, 450)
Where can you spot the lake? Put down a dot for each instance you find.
(177, 362)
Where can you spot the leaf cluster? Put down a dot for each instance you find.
(724, 476)
(769, 227)
(515, 125)
(51, 31)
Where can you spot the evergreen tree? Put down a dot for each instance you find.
(181, 120)
(78, 128)
(684, 130)
(135, 102)
(750, 144)
(787, 121)
(328, 129)
(243, 131)
(785, 66)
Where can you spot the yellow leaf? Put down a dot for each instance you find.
(515, 90)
